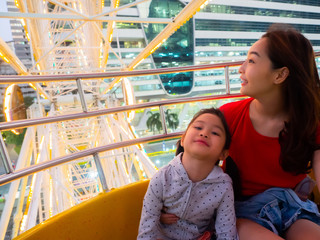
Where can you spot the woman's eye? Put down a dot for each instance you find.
(250, 61)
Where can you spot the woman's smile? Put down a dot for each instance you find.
(243, 82)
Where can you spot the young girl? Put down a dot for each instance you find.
(193, 187)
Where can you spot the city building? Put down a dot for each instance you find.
(20, 36)
(222, 31)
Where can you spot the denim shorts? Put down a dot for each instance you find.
(277, 209)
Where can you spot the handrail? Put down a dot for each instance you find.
(13, 175)
(84, 153)
(60, 160)
(67, 77)
(38, 121)
(45, 78)
(85, 114)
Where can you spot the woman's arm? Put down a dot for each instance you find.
(316, 167)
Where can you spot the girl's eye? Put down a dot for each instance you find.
(250, 61)
(215, 133)
(199, 128)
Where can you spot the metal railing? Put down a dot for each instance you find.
(84, 153)
(13, 175)
(17, 174)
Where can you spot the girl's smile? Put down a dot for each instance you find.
(202, 142)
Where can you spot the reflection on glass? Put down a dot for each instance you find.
(176, 51)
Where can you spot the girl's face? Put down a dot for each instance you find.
(258, 77)
(205, 138)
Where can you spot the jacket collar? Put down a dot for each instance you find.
(215, 176)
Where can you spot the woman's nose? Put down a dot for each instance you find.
(241, 69)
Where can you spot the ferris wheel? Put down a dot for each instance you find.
(68, 37)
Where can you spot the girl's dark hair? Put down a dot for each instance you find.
(286, 47)
(213, 111)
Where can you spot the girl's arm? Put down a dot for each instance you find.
(150, 215)
(225, 222)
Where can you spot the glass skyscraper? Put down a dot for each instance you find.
(176, 51)
(222, 31)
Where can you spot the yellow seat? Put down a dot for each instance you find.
(113, 215)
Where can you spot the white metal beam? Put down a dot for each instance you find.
(66, 17)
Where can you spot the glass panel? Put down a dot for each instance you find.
(176, 51)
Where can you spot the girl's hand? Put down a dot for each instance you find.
(168, 218)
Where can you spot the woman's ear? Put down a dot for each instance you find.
(224, 154)
(281, 75)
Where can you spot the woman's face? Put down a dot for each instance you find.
(256, 72)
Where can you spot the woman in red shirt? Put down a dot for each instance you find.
(276, 137)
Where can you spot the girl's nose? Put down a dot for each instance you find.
(203, 135)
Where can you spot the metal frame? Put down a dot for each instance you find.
(34, 122)
(53, 165)
(54, 162)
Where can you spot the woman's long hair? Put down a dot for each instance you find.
(289, 48)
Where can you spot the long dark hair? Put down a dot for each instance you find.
(213, 111)
(289, 48)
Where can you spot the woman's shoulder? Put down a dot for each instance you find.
(236, 105)
(234, 111)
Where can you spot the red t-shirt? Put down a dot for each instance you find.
(256, 156)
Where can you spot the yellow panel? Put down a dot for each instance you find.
(113, 215)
